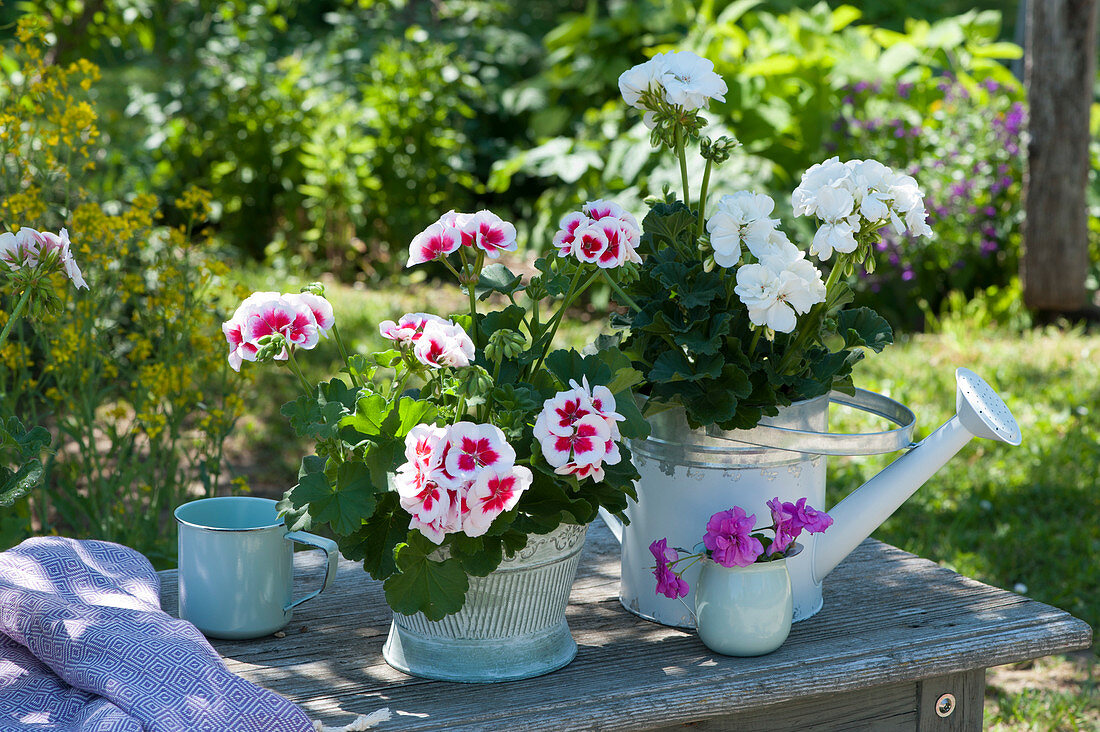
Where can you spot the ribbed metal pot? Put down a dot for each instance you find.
(513, 623)
(688, 475)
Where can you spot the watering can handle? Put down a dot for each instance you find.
(835, 443)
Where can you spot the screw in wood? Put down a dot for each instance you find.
(945, 705)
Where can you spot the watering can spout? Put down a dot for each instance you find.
(980, 412)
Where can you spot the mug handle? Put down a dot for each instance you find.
(331, 552)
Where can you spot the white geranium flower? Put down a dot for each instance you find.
(830, 173)
(741, 219)
(839, 236)
(639, 79)
(835, 202)
(757, 285)
(689, 81)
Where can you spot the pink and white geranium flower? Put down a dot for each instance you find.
(435, 242)
(474, 447)
(301, 318)
(458, 478)
(406, 331)
(28, 247)
(578, 432)
(443, 344)
(601, 233)
(493, 492)
(483, 230)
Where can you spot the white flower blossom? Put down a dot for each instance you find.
(681, 77)
(852, 196)
(741, 218)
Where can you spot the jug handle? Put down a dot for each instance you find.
(835, 443)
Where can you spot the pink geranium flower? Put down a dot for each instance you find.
(491, 494)
(472, 447)
(790, 519)
(28, 247)
(489, 233)
(435, 242)
(578, 432)
(407, 330)
(668, 584)
(729, 538)
(601, 233)
(566, 234)
(443, 344)
(302, 319)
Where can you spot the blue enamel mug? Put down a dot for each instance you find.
(236, 566)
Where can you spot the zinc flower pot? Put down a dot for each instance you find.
(743, 611)
(512, 625)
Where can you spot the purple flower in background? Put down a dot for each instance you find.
(728, 538)
(908, 274)
(988, 246)
(904, 89)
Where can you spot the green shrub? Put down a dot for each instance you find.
(126, 374)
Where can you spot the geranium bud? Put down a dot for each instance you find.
(271, 346)
(505, 343)
(476, 382)
(708, 264)
(314, 288)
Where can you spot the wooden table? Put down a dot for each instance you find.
(897, 632)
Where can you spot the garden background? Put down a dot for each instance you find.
(199, 151)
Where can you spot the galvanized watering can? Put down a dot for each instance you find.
(687, 475)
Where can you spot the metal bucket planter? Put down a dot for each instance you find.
(686, 476)
(513, 623)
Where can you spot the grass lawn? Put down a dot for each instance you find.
(1023, 518)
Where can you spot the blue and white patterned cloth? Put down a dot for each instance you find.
(85, 647)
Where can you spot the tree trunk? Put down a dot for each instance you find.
(1059, 73)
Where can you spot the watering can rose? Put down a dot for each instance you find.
(730, 541)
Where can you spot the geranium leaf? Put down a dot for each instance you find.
(344, 503)
(435, 588)
(375, 540)
(673, 365)
(497, 278)
(668, 223)
(479, 556)
(864, 327)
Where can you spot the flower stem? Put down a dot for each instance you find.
(293, 364)
(15, 315)
(755, 339)
(683, 165)
(703, 197)
(344, 355)
(555, 321)
(619, 291)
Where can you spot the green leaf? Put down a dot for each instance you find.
(497, 278)
(669, 223)
(343, 503)
(479, 556)
(435, 588)
(673, 365)
(15, 485)
(864, 327)
(374, 542)
(568, 364)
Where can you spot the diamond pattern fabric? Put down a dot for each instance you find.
(85, 647)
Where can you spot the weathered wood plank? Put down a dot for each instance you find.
(964, 708)
(889, 618)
